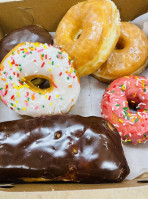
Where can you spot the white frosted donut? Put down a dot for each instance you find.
(35, 60)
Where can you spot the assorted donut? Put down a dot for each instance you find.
(108, 51)
(129, 57)
(89, 34)
(35, 60)
(90, 39)
(40, 77)
(125, 105)
(32, 33)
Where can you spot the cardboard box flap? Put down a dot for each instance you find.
(48, 13)
(43, 187)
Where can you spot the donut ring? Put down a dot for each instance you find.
(88, 33)
(125, 105)
(46, 61)
(130, 56)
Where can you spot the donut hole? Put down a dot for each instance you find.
(133, 106)
(120, 44)
(77, 34)
(41, 83)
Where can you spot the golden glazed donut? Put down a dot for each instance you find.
(88, 33)
(129, 57)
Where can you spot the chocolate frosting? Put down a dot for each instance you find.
(61, 147)
(31, 33)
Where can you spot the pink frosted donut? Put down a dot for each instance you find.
(125, 105)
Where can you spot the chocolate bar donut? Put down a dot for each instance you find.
(61, 148)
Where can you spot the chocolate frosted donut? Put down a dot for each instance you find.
(32, 34)
(61, 148)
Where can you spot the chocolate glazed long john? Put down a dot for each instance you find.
(61, 148)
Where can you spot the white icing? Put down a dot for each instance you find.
(66, 86)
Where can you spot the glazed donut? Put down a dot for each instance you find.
(129, 57)
(89, 32)
(32, 33)
(125, 105)
(48, 62)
